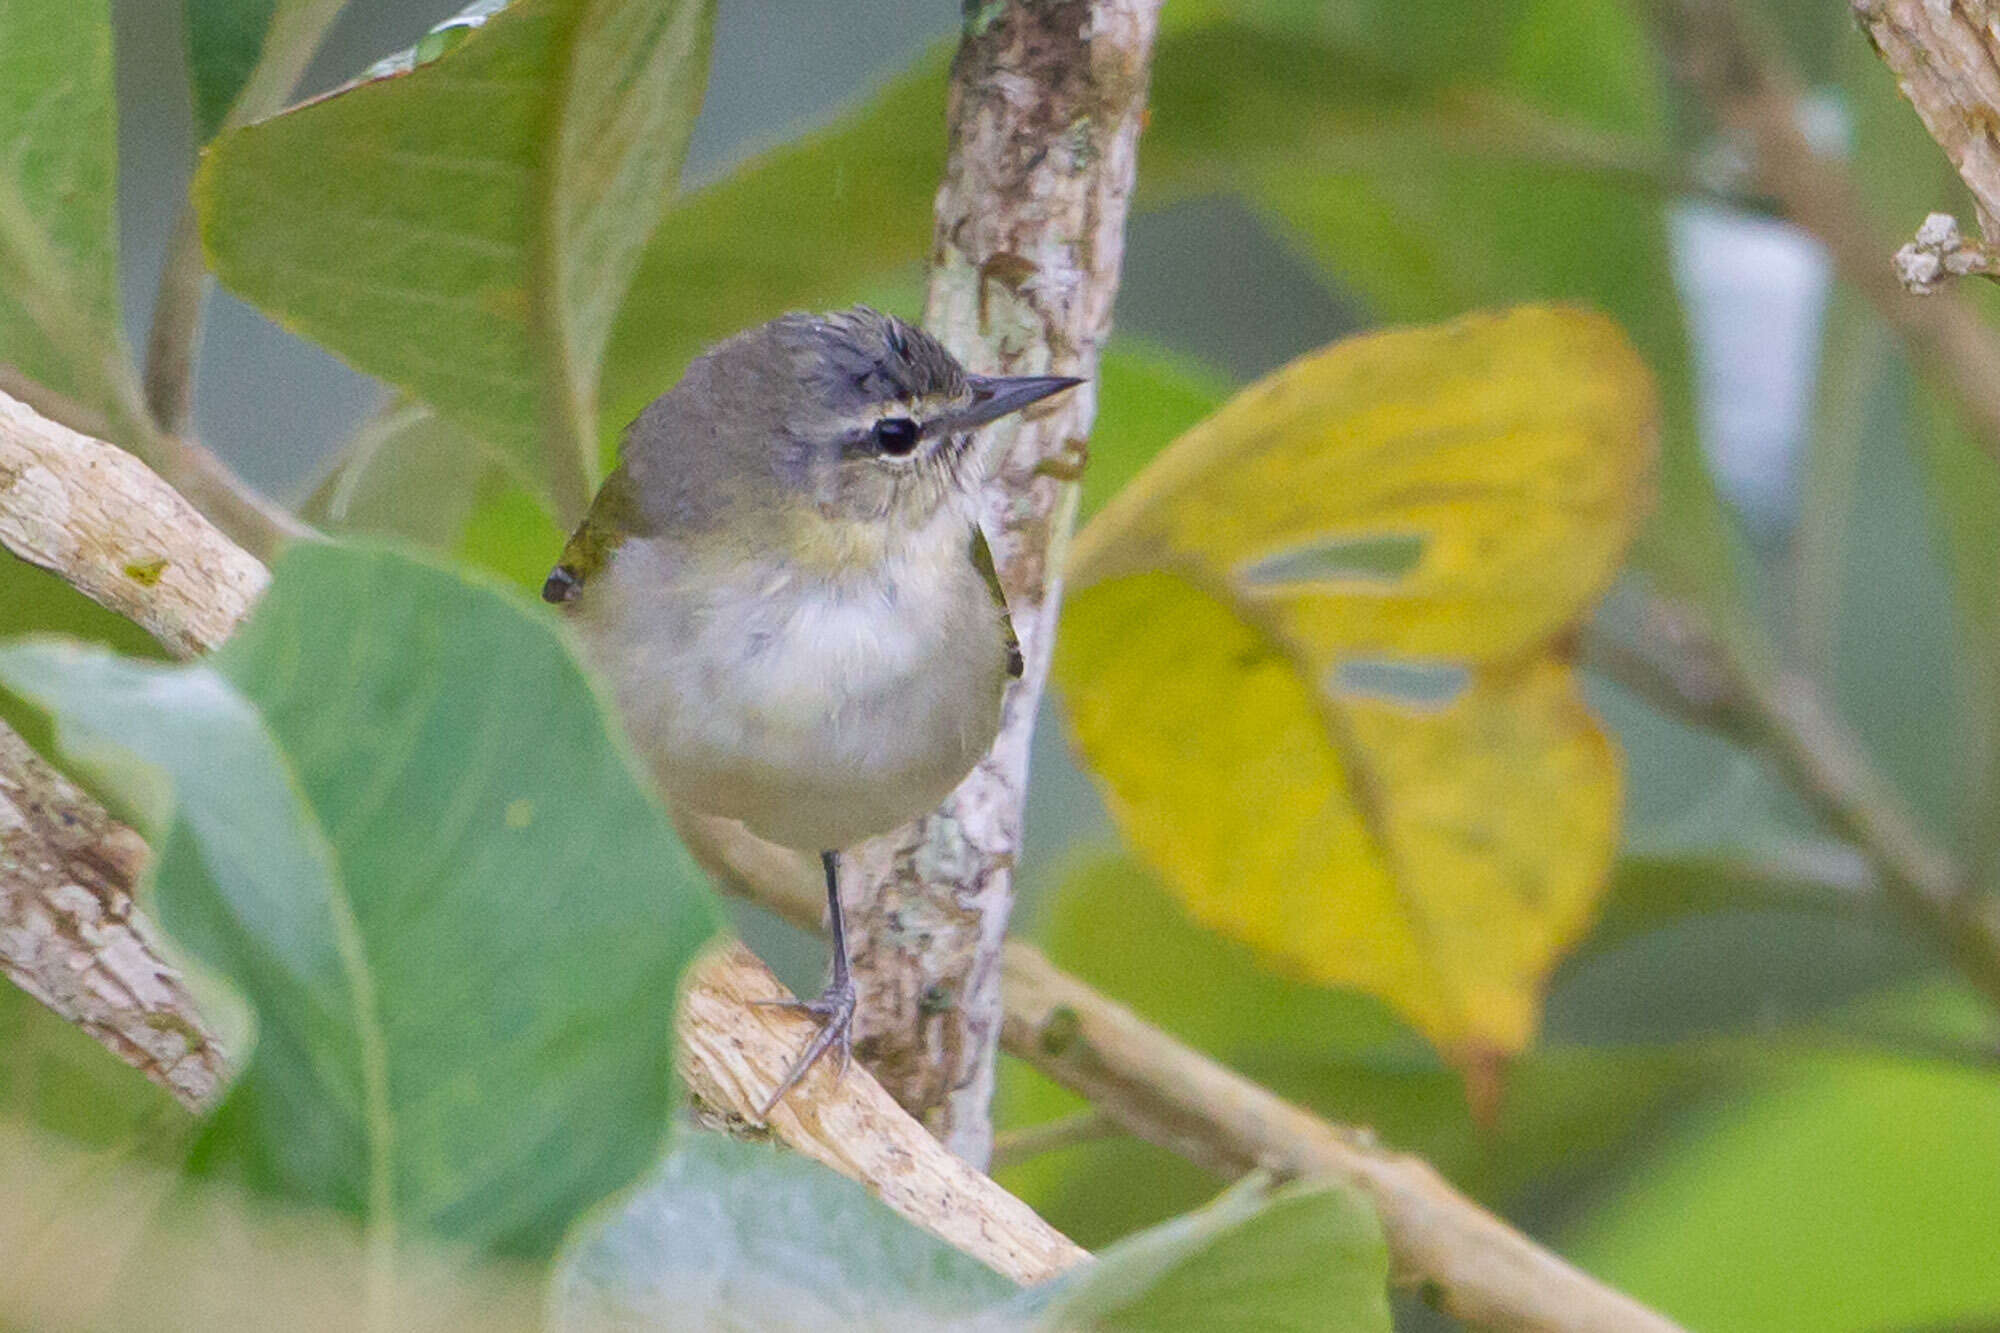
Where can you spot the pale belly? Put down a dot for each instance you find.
(818, 716)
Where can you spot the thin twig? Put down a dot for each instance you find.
(1673, 660)
(1014, 1146)
(174, 340)
(1460, 1257)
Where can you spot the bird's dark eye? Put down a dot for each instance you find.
(896, 436)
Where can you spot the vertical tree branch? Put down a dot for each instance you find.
(1046, 104)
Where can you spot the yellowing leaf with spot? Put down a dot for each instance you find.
(1318, 655)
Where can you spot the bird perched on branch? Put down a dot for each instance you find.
(785, 585)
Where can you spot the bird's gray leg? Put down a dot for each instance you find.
(835, 1006)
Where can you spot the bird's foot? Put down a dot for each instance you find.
(835, 1011)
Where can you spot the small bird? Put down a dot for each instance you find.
(785, 585)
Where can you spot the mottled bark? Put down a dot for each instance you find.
(70, 937)
(1946, 59)
(1047, 100)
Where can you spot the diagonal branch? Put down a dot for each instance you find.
(1946, 59)
(1047, 99)
(1672, 659)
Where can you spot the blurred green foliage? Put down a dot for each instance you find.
(1757, 1102)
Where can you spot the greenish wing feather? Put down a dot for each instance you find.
(982, 560)
(613, 517)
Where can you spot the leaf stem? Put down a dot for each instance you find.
(174, 339)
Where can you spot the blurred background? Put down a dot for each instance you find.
(1771, 1112)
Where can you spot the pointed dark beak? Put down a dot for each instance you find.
(994, 396)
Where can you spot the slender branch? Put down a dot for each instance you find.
(1013, 1146)
(1046, 103)
(1463, 1259)
(1742, 83)
(1673, 660)
(174, 340)
(1830, 767)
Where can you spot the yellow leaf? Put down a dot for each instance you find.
(1318, 655)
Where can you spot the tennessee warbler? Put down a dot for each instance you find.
(785, 585)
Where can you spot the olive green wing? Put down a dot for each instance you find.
(613, 516)
(982, 560)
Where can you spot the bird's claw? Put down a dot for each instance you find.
(835, 1011)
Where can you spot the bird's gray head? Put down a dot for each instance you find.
(855, 419)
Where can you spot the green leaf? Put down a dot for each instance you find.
(406, 831)
(59, 320)
(467, 229)
(225, 38)
(747, 1237)
(1307, 1256)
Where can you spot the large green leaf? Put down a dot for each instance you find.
(730, 1235)
(467, 229)
(406, 832)
(59, 322)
